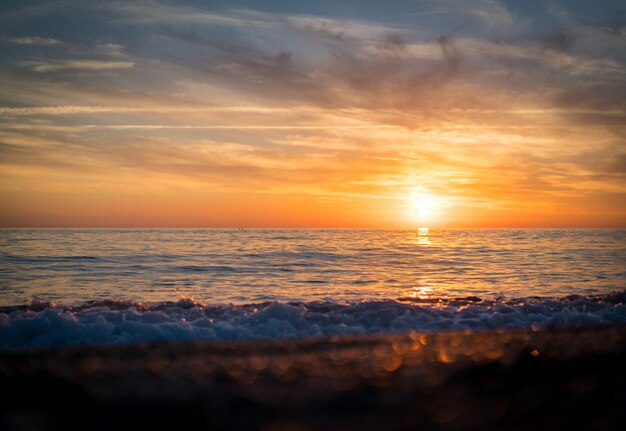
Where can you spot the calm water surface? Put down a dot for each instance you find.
(231, 266)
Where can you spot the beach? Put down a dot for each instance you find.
(312, 329)
(565, 378)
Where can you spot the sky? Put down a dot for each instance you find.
(364, 114)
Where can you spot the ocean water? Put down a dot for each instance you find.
(81, 286)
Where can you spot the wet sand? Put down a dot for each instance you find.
(570, 378)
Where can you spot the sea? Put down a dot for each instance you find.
(63, 287)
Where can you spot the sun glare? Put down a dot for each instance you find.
(423, 206)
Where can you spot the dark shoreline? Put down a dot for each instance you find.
(564, 378)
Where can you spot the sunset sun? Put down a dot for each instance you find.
(423, 206)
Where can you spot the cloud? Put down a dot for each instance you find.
(345, 73)
(61, 65)
(84, 127)
(76, 110)
(484, 18)
(150, 12)
(110, 49)
(36, 41)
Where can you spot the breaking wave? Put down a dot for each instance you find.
(113, 322)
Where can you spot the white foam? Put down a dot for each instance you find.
(109, 322)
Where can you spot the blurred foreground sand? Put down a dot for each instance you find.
(571, 378)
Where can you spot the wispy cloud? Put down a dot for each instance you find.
(60, 65)
(36, 40)
(74, 110)
(110, 49)
(194, 127)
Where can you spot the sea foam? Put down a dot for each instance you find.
(111, 322)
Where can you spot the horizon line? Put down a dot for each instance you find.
(304, 227)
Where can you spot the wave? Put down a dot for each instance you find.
(46, 324)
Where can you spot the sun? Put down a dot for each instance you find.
(424, 206)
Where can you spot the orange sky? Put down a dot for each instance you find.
(178, 116)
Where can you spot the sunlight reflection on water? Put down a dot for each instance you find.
(422, 236)
(223, 266)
